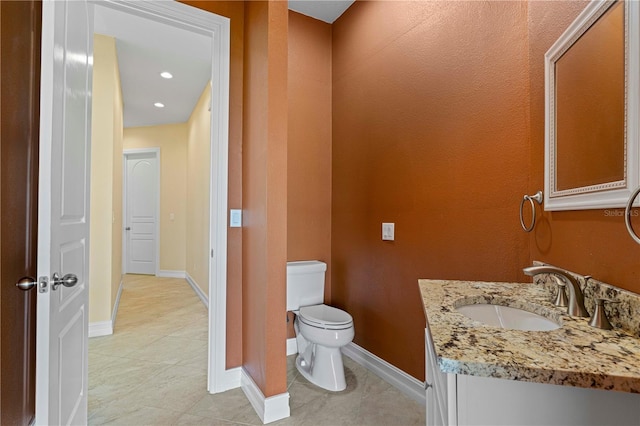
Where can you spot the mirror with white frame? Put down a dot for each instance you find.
(592, 78)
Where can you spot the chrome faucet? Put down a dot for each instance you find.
(576, 299)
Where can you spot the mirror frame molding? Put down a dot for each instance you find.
(608, 194)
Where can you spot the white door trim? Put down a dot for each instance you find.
(44, 199)
(155, 152)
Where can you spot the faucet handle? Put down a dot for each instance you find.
(561, 298)
(599, 318)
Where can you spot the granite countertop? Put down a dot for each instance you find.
(575, 354)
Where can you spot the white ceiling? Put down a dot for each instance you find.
(323, 10)
(146, 48)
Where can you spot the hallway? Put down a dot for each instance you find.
(153, 371)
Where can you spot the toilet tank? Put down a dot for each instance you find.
(305, 283)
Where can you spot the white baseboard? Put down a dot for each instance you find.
(100, 328)
(116, 305)
(203, 297)
(230, 379)
(171, 274)
(292, 346)
(268, 409)
(402, 381)
(105, 328)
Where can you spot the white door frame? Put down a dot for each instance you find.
(155, 153)
(218, 28)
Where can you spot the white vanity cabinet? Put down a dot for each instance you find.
(437, 387)
(455, 399)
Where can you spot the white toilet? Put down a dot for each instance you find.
(321, 330)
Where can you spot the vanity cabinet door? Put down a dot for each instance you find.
(490, 401)
(439, 405)
(431, 407)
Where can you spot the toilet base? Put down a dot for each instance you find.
(323, 367)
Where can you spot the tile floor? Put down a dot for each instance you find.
(152, 371)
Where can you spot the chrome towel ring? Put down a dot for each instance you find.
(531, 198)
(627, 216)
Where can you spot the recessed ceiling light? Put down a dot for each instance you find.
(159, 105)
(166, 74)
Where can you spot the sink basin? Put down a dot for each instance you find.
(507, 317)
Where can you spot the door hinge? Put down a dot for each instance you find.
(212, 253)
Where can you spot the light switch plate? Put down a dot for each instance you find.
(388, 231)
(235, 218)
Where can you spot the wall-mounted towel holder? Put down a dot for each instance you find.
(530, 198)
(627, 216)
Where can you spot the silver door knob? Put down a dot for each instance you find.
(69, 280)
(26, 283)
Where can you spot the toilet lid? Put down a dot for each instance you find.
(325, 316)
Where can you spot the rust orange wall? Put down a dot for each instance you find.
(437, 125)
(430, 131)
(590, 242)
(309, 145)
(309, 142)
(235, 11)
(264, 239)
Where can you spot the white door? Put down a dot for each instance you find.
(141, 200)
(63, 211)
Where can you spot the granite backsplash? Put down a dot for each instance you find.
(624, 315)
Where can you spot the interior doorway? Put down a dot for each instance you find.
(141, 206)
(218, 29)
(55, 22)
(142, 222)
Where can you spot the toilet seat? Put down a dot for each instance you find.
(324, 316)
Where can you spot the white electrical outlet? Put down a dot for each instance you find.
(388, 231)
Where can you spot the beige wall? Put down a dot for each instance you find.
(106, 205)
(116, 196)
(172, 141)
(234, 10)
(197, 191)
